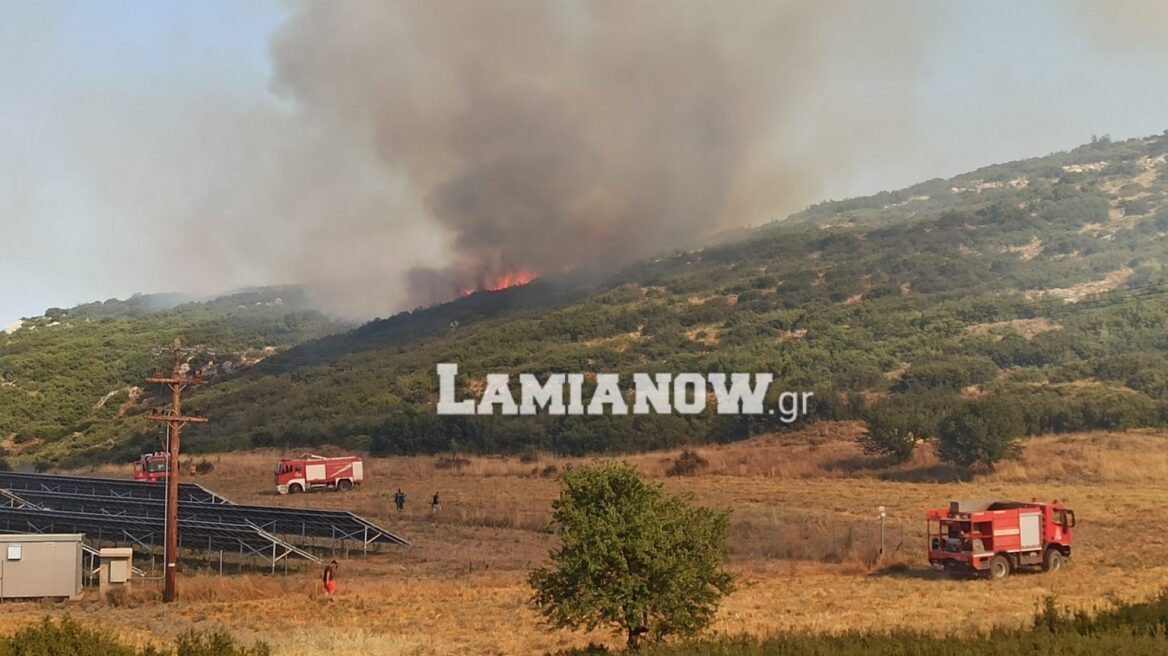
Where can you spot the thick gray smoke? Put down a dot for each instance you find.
(391, 153)
(542, 136)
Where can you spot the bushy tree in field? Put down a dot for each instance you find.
(985, 432)
(688, 463)
(890, 432)
(895, 425)
(631, 558)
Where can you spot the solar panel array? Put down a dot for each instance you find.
(194, 535)
(115, 487)
(291, 523)
(132, 512)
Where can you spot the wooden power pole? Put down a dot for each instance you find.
(177, 381)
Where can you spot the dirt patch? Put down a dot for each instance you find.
(910, 199)
(101, 402)
(10, 446)
(1026, 328)
(791, 335)
(135, 400)
(1081, 291)
(897, 373)
(702, 300)
(618, 343)
(1084, 168)
(1027, 251)
(707, 334)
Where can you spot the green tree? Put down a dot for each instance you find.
(890, 432)
(896, 425)
(983, 432)
(632, 558)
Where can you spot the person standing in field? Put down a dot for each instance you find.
(399, 500)
(330, 580)
(437, 505)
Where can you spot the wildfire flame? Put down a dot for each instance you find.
(505, 281)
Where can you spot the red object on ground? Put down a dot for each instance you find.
(309, 472)
(997, 538)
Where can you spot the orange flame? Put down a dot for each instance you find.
(505, 281)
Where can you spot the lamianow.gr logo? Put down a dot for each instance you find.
(660, 393)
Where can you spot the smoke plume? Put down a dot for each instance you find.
(394, 153)
(541, 137)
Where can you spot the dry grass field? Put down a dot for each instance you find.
(803, 543)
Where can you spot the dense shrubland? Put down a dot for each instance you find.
(69, 638)
(901, 308)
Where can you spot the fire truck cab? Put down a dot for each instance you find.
(996, 539)
(152, 467)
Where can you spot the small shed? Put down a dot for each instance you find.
(40, 565)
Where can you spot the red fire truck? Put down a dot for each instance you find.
(997, 538)
(309, 472)
(151, 467)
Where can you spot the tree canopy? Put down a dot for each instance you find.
(984, 432)
(631, 557)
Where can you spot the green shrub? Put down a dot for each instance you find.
(984, 432)
(216, 643)
(66, 637)
(63, 638)
(688, 463)
(529, 454)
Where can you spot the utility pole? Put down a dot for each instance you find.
(177, 381)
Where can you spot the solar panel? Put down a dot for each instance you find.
(114, 487)
(148, 532)
(292, 523)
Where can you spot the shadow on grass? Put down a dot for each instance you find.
(939, 473)
(906, 571)
(855, 464)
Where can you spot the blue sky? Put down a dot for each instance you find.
(122, 123)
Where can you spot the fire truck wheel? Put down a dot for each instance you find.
(295, 488)
(344, 485)
(1052, 561)
(999, 567)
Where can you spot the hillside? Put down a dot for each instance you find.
(69, 377)
(1042, 280)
